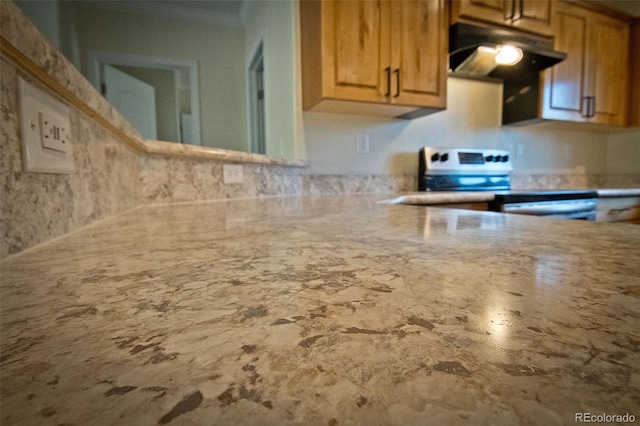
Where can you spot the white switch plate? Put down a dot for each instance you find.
(45, 130)
(232, 173)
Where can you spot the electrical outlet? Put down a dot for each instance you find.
(232, 173)
(45, 131)
(53, 132)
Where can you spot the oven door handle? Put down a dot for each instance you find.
(550, 208)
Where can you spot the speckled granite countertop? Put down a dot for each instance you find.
(322, 311)
(450, 197)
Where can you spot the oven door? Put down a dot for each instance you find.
(584, 209)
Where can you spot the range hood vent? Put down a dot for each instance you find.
(521, 81)
(464, 57)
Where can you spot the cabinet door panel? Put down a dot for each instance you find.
(592, 84)
(497, 11)
(533, 15)
(419, 40)
(564, 82)
(358, 48)
(607, 70)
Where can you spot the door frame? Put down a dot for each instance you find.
(98, 58)
(257, 113)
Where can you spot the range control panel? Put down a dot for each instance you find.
(457, 161)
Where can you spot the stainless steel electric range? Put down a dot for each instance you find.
(468, 169)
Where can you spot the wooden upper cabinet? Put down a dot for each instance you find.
(533, 16)
(608, 69)
(419, 40)
(378, 52)
(495, 11)
(357, 49)
(565, 86)
(591, 85)
(528, 15)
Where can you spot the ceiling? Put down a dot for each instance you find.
(631, 7)
(233, 12)
(218, 12)
(223, 6)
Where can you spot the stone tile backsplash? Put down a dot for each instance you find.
(176, 179)
(36, 207)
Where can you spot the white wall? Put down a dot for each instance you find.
(472, 119)
(45, 14)
(218, 51)
(274, 23)
(623, 153)
(55, 20)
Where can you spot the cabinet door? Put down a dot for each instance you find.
(419, 43)
(592, 84)
(608, 69)
(356, 49)
(496, 11)
(533, 15)
(564, 83)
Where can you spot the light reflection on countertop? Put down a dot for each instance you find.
(322, 310)
(550, 269)
(460, 220)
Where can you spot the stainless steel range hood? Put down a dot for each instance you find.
(472, 52)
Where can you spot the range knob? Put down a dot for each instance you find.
(444, 157)
(504, 158)
(489, 158)
(435, 157)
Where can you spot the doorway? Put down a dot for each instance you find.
(133, 98)
(176, 84)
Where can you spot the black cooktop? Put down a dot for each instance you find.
(520, 196)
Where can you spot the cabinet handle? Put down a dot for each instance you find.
(586, 108)
(397, 73)
(511, 15)
(388, 71)
(590, 110)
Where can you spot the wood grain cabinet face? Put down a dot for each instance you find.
(357, 48)
(591, 85)
(375, 51)
(528, 15)
(533, 15)
(419, 53)
(608, 70)
(496, 11)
